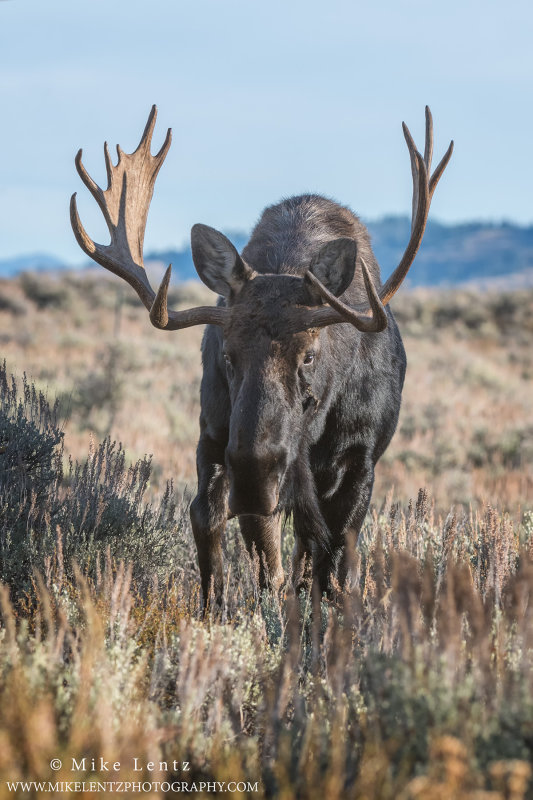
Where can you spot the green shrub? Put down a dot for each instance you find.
(95, 505)
(10, 305)
(44, 291)
(30, 469)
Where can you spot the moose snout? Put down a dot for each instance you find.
(255, 481)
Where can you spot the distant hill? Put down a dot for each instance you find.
(34, 262)
(454, 254)
(472, 253)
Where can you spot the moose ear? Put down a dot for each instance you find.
(334, 265)
(217, 261)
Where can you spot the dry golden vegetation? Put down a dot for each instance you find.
(414, 683)
(466, 427)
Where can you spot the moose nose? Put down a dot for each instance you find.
(255, 482)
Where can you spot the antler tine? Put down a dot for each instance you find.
(441, 166)
(159, 310)
(414, 170)
(341, 312)
(162, 317)
(91, 185)
(418, 226)
(428, 145)
(428, 155)
(124, 205)
(108, 165)
(146, 138)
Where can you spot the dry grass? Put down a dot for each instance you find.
(466, 426)
(415, 682)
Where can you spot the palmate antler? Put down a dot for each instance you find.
(424, 185)
(125, 204)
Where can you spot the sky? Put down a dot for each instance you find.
(266, 100)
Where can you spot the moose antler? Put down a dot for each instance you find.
(125, 205)
(424, 185)
(341, 312)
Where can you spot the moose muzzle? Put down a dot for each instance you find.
(255, 482)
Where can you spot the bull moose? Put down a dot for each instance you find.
(303, 362)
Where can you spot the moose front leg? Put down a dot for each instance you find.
(262, 536)
(344, 512)
(209, 514)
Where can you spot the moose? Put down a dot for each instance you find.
(303, 362)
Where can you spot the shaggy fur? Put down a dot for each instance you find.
(279, 434)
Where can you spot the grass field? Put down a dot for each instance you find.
(416, 681)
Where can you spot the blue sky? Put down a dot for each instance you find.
(265, 99)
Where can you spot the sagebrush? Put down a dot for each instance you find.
(416, 681)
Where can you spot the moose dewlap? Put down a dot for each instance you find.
(303, 363)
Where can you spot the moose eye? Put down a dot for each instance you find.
(309, 358)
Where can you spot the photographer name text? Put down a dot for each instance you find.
(100, 765)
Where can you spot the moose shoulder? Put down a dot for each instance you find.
(303, 363)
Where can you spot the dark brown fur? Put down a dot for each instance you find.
(279, 436)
